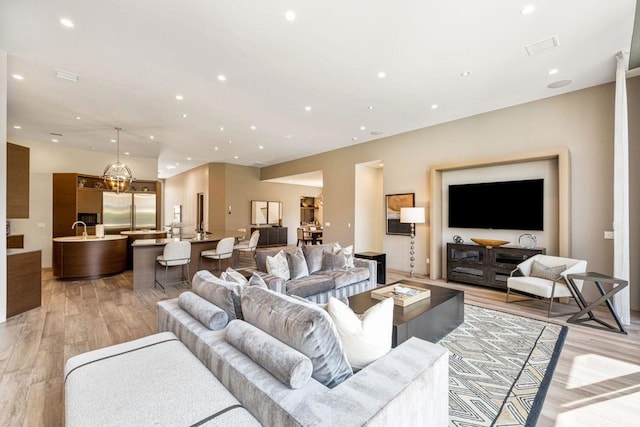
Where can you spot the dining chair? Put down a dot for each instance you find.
(303, 236)
(249, 246)
(223, 250)
(174, 254)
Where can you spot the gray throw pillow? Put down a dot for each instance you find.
(545, 272)
(297, 264)
(333, 262)
(225, 295)
(257, 280)
(313, 255)
(205, 312)
(306, 328)
(289, 366)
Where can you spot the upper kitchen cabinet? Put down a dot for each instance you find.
(17, 181)
(80, 197)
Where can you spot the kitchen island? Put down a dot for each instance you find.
(140, 234)
(145, 252)
(91, 256)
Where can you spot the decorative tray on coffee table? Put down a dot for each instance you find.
(401, 293)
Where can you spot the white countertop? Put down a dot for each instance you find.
(79, 239)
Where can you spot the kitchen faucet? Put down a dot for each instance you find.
(84, 233)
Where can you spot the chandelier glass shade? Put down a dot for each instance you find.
(117, 176)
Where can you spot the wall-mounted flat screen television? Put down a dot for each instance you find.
(506, 205)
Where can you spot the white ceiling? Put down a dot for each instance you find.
(134, 57)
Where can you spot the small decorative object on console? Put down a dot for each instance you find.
(527, 240)
(401, 293)
(458, 239)
(489, 243)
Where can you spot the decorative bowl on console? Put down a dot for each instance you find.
(490, 242)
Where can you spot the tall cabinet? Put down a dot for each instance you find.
(18, 180)
(79, 197)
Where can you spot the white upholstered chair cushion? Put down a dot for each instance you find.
(223, 250)
(175, 253)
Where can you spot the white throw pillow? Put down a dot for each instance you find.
(231, 275)
(347, 251)
(277, 265)
(367, 337)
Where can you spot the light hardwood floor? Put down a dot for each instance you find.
(596, 383)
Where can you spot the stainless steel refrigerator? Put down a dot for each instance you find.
(128, 211)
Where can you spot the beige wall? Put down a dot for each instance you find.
(582, 121)
(46, 159)
(227, 185)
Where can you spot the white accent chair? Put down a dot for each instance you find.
(174, 254)
(551, 287)
(223, 250)
(248, 247)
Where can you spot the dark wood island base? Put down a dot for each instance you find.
(74, 257)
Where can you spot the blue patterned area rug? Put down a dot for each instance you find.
(500, 367)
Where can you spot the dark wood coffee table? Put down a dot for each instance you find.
(429, 319)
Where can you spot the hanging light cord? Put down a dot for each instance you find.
(118, 144)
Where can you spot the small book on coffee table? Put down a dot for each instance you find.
(401, 293)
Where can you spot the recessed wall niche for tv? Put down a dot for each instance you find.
(505, 205)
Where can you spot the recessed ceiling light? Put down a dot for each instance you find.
(177, 164)
(170, 167)
(185, 116)
(527, 9)
(307, 108)
(230, 141)
(236, 157)
(77, 117)
(465, 74)
(93, 148)
(288, 137)
(434, 106)
(215, 148)
(221, 128)
(553, 71)
(54, 140)
(382, 75)
(290, 15)
(17, 77)
(126, 153)
(363, 127)
(189, 158)
(17, 127)
(355, 138)
(67, 22)
(371, 107)
(261, 147)
(559, 84)
(253, 128)
(113, 140)
(222, 77)
(179, 97)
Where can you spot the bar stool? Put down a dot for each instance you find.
(249, 246)
(223, 250)
(174, 254)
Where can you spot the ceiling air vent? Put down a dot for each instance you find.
(55, 134)
(537, 47)
(66, 75)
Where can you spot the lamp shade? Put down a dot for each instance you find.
(412, 215)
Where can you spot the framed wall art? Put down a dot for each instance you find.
(393, 204)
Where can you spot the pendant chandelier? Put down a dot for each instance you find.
(117, 176)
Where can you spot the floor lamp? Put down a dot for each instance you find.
(412, 216)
